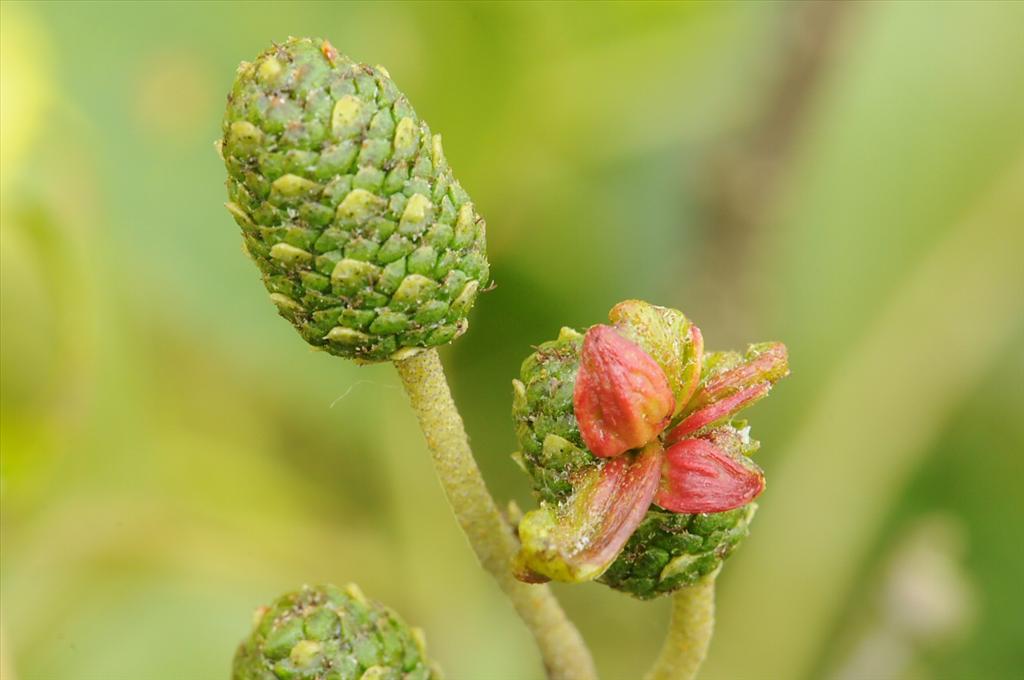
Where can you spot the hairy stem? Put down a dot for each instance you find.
(689, 633)
(561, 646)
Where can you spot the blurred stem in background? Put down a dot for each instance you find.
(6, 665)
(745, 174)
(943, 355)
(562, 648)
(689, 633)
(924, 600)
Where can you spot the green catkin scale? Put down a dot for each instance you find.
(326, 633)
(366, 242)
(668, 550)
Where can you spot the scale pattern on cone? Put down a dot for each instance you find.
(326, 633)
(668, 550)
(366, 242)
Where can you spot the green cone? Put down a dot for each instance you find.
(366, 242)
(326, 633)
(668, 550)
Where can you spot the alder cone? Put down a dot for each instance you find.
(365, 240)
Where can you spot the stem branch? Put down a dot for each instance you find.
(689, 633)
(561, 646)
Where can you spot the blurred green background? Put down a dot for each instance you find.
(848, 178)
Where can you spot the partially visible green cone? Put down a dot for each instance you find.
(326, 633)
(366, 242)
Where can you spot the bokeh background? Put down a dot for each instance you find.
(848, 178)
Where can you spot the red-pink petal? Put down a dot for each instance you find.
(725, 393)
(622, 399)
(669, 338)
(698, 476)
(767, 362)
(716, 411)
(577, 540)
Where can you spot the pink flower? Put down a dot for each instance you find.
(664, 437)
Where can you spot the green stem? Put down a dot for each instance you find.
(562, 648)
(689, 633)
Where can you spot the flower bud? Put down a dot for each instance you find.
(622, 399)
(669, 338)
(589, 406)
